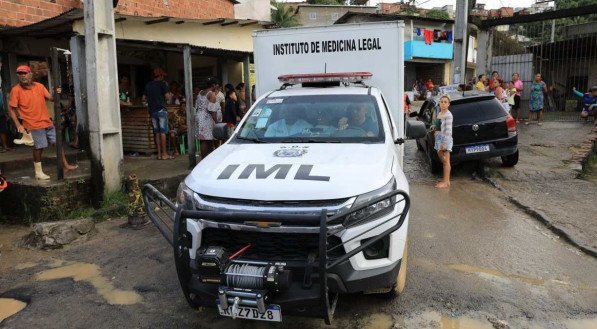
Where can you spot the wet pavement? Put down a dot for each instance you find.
(476, 261)
(546, 180)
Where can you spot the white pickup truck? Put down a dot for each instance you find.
(307, 199)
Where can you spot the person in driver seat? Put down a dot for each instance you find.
(358, 119)
(290, 123)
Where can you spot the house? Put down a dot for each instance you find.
(321, 15)
(423, 60)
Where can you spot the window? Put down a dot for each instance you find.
(312, 16)
(335, 16)
(314, 119)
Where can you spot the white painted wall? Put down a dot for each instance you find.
(230, 37)
(253, 9)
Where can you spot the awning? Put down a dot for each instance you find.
(58, 26)
(212, 36)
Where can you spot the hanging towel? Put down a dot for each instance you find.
(418, 31)
(449, 36)
(428, 34)
(437, 34)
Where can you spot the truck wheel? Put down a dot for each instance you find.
(182, 261)
(510, 160)
(398, 287)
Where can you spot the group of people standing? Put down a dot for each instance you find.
(216, 106)
(509, 94)
(212, 105)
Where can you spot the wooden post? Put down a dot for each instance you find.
(57, 111)
(247, 78)
(188, 86)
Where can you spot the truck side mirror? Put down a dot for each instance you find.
(222, 131)
(415, 129)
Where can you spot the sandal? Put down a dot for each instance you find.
(540, 124)
(526, 123)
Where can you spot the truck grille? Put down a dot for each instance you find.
(268, 246)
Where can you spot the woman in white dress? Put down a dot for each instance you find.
(206, 117)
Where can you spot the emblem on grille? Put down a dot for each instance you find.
(475, 127)
(292, 152)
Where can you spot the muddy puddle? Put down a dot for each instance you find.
(379, 321)
(433, 319)
(91, 273)
(495, 273)
(10, 307)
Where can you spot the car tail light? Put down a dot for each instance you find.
(511, 124)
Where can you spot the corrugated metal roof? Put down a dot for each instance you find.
(388, 17)
(51, 27)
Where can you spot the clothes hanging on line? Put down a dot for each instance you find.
(428, 35)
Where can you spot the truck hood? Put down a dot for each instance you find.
(287, 172)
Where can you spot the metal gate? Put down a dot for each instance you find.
(561, 45)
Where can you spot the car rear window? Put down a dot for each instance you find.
(470, 112)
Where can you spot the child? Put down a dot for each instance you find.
(589, 101)
(443, 139)
(511, 90)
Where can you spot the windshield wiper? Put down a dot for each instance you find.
(310, 140)
(252, 139)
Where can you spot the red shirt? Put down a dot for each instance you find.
(31, 103)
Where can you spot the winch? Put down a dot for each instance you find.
(242, 282)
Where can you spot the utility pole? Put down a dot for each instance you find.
(105, 133)
(460, 42)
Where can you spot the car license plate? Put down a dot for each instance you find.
(477, 149)
(272, 313)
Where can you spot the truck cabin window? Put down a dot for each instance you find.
(314, 119)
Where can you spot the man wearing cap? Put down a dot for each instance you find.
(155, 95)
(29, 99)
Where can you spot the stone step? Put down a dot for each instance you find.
(29, 200)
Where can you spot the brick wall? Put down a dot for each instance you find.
(25, 12)
(389, 8)
(198, 9)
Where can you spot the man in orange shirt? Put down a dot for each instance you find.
(29, 99)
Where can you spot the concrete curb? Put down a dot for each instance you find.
(540, 216)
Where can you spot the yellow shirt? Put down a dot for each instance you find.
(480, 86)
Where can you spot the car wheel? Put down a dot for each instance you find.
(434, 165)
(182, 261)
(510, 160)
(419, 146)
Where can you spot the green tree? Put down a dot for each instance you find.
(325, 2)
(439, 14)
(283, 15)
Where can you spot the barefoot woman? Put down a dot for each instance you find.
(443, 139)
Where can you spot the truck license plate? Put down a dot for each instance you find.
(477, 149)
(272, 313)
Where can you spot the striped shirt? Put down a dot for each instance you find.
(446, 127)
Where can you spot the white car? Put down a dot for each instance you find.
(308, 186)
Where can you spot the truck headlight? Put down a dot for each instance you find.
(375, 210)
(184, 197)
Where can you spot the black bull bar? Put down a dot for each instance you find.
(168, 216)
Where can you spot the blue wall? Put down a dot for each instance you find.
(436, 50)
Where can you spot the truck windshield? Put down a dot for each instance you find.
(314, 119)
